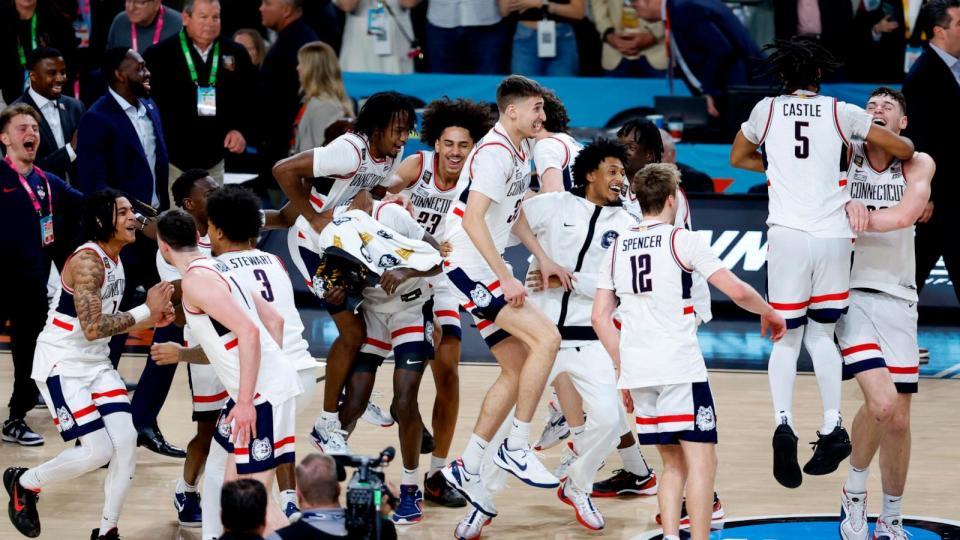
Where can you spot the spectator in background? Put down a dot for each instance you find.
(466, 36)
(883, 32)
(59, 114)
(377, 36)
(526, 57)
(709, 44)
(29, 199)
(932, 89)
(281, 86)
(143, 23)
(24, 26)
(202, 88)
(693, 180)
(243, 510)
(324, 19)
(254, 43)
(324, 98)
(240, 14)
(829, 22)
(632, 47)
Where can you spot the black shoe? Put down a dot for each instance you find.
(785, 467)
(624, 482)
(112, 534)
(828, 452)
(23, 503)
(427, 444)
(151, 439)
(436, 490)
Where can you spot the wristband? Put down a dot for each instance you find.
(140, 313)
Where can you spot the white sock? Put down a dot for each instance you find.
(784, 416)
(409, 477)
(857, 480)
(327, 419)
(288, 496)
(184, 487)
(473, 455)
(633, 460)
(437, 463)
(577, 432)
(519, 435)
(782, 372)
(891, 506)
(828, 366)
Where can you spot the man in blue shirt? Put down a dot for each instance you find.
(34, 208)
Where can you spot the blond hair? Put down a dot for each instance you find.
(653, 184)
(320, 75)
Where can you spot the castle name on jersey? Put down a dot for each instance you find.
(802, 109)
(642, 242)
(426, 202)
(250, 260)
(866, 191)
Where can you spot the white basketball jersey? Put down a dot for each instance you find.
(168, 272)
(649, 267)
(501, 171)
(263, 273)
(882, 261)
(558, 151)
(277, 381)
(804, 139)
(63, 329)
(345, 167)
(431, 204)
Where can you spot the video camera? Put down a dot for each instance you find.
(366, 492)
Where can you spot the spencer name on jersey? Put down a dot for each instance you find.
(643, 242)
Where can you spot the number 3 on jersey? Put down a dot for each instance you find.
(267, 292)
(429, 221)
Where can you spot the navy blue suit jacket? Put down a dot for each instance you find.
(49, 157)
(109, 153)
(714, 43)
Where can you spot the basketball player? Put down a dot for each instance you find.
(558, 220)
(647, 269)
(878, 336)
(804, 141)
(429, 179)
(523, 340)
(238, 332)
(84, 393)
(355, 161)
(556, 150)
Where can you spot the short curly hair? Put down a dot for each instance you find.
(592, 155)
(558, 121)
(445, 112)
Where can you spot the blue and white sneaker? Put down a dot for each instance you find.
(854, 524)
(410, 509)
(523, 464)
(587, 513)
(377, 416)
(188, 509)
(554, 430)
(330, 439)
(471, 525)
(470, 485)
(292, 511)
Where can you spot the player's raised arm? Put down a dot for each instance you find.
(918, 174)
(898, 145)
(290, 173)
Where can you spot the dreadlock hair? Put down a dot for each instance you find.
(557, 119)
(99, 217)
(799, 62)
(592, 156)
(445, 112)
(381, 109)
(644, 133)
(183, 185)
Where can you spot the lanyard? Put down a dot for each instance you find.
(156, 32)
(33, 41)
(212, 81)
(30, 193)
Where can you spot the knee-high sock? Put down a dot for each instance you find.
(94, 450)
(828, 365)
(782, 372)
(213, 473)
(123, 463)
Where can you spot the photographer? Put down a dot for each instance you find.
(319, 495)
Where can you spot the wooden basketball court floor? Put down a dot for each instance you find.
(745, 482)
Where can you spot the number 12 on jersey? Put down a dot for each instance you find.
(640, 267)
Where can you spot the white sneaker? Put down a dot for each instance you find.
(569, 458)
(330, 439)
(555, 429)
(523, 464)
(471, 525)
(890, 528)
(377, 416)
(470, 485)
(853, 516)
(587, 513)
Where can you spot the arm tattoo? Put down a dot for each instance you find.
(88, 273)
(193, 355)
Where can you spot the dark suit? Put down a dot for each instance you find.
(878, 61)
(53, 30)
(836, 19)
(930, 89)
(49, 156)
(714, 44)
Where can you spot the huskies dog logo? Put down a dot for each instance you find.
(388, 261)
(481, 296)
(65, 419)
(261, 449)
(706, 421)
(384, 234)
(608, 239)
